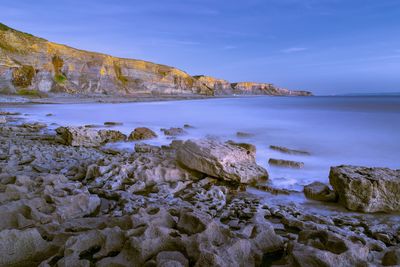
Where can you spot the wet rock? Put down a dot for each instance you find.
(36, 126)
(22, 248)
(220, 160)
(288, 150)
(391, 258)
(320, 191)
(86, 137)
(286, 163)
(49, 114)
(244, 134)
(367, 189)
(7, 113)
(142, 133)
(112, 123)
(188, 126)
(173, 131)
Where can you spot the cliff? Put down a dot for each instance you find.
(32, 64)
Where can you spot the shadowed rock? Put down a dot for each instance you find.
(367, 189)
(221, 160)
(320, 191)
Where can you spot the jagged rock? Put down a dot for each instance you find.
(142, 133)
(288, 150)
(22, 247)
(173, 131)
(93, 245)
(81, 136)
(220, 160)
(367, 189)
(286, 163)
(192, 223)
(320, 191)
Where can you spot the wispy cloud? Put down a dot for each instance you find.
(293, 50)
(229, 47)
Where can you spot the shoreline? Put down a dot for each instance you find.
(83, 99)
(146, 199)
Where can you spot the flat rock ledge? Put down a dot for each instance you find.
(221, 160)
(367, 189)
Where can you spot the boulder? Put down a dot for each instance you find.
(391, 258)
(286, 163)
(87, 137)
(22, 248)
(142, 133)
(367, 189)
(220, 160)
(108, 136)
(320, 191)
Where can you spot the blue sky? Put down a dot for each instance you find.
(326, 46)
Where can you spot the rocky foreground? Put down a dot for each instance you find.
(66, 200)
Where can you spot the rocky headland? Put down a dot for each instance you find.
(68, 200)
(34, 67)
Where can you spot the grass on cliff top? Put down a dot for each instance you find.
(31, 93)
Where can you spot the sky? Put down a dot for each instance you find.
(325, 46)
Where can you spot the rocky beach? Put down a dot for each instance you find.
(68, 199)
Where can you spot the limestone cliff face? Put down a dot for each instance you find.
(31, 63)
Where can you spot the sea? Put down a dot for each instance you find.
(335, 130)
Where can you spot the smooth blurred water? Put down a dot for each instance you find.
(335, 130)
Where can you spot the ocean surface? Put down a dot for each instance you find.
(335, 130)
